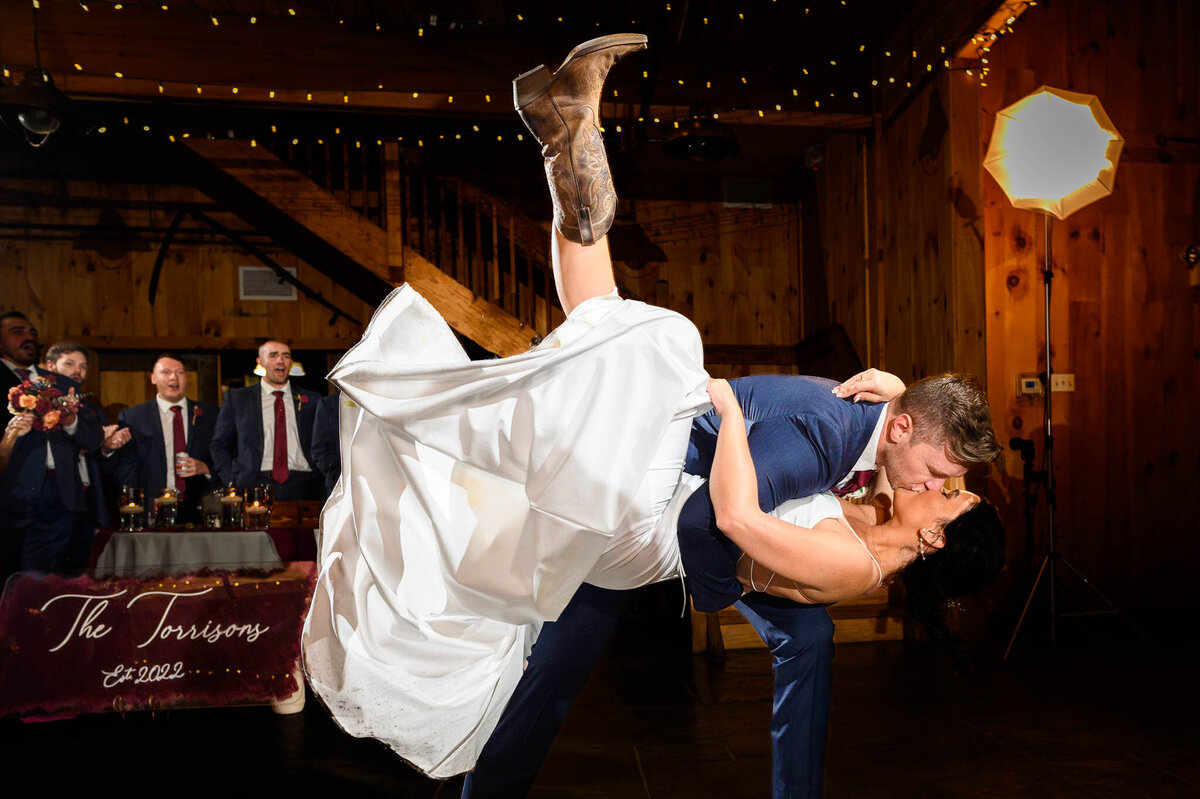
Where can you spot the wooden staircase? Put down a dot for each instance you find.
(482, 264)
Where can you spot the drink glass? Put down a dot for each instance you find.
(231, 508)
(210, 508)
(132, 507)
(258, 507)
(166, 508)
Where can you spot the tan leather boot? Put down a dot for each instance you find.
(561, 111)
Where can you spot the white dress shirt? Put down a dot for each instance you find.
(866, 461)
(296, 459)
(166, 418)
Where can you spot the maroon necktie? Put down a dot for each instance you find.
(279, 470)
(857, 481)
(180, 443)
(23, 374)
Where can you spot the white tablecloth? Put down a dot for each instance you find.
(141, 554)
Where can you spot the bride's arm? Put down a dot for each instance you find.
(826, 564)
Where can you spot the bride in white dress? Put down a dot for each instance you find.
(475, 497)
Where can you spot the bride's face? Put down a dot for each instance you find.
(931, 509)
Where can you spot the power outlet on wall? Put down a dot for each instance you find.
(1065, 382)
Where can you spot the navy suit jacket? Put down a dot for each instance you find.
(803, 439)
(97, 504)
(326, 440)
(237, 443)
(143, 461)
(22, 480)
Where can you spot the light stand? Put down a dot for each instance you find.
(1052, 557)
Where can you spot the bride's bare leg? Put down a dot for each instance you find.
(580, 272)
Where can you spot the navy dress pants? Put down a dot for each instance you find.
(559, 664)
(800, 639)
(40, 539)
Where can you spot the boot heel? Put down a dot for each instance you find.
(531, 85)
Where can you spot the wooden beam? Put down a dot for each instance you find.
(186, 344)
(486, 324)
(286, 189)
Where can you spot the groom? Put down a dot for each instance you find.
(803, 438)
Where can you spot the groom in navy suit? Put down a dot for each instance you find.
(264, 432)
(804, 440)
(41, 495)
(168, 426)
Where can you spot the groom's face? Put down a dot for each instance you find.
(918, 466)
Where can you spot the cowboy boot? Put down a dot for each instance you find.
(561, 111)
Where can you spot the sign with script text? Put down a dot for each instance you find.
(79, 645)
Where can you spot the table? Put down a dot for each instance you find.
(126, 554)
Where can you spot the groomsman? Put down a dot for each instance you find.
(41, 495)
(326, 440)
(70, 359)
(264, 432)
(171, 441)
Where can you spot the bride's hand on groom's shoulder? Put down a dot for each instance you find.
(871, 385)
(723, 399)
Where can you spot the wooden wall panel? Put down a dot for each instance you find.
(1124, 316)
(931, 286)
(79, 284)
(846, 244)
(734, 272)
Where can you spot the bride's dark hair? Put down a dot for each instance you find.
(971, 559)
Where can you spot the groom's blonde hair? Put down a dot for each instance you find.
(951, 411)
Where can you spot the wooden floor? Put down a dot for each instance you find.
(1100, 715)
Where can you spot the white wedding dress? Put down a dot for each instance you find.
(475, 497)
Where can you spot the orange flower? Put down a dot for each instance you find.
(28, 402)
(50, 419)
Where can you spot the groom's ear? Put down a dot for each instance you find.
(899, 428)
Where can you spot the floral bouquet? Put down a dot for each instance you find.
(39, 397)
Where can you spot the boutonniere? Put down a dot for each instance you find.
(301, 400)
(197, 412)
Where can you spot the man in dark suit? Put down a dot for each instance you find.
(804, 440)
(41, 495)
(70, 359)
(326, 440)
(171, 441)
(264, 432)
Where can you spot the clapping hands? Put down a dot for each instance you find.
(115, 437)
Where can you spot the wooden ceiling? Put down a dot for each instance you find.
(378, 67)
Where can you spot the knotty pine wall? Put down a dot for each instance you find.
(1126, 310)
(930, 268)
(734, 272)
(92, 287)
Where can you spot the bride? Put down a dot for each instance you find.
(476, 497)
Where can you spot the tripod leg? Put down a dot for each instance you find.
(1108, 602)
(1028, 602)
